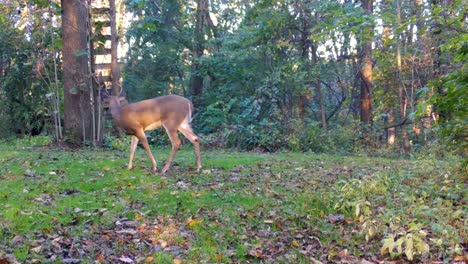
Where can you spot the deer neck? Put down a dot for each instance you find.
(115, 109)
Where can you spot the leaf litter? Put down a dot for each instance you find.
(280, 228)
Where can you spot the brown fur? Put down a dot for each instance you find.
(172, 112)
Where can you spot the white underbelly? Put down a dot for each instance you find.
(153, 126)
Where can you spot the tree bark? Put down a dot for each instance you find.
(196, 82)
(115, 68)
(309, 49)
(318, 90)
(78, 108)
(366, 67)
(402, 95)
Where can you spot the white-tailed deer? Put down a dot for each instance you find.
(172, 112)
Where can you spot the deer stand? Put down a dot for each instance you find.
(103, 18)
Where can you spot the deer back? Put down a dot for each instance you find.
(170, 110)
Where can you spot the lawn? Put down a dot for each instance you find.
(83, 206)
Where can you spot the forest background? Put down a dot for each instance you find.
(322, 76)
(331, 131)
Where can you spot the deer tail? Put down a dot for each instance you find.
(190, 107)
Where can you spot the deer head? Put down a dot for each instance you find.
(172, 112)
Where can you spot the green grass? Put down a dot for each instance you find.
(244, 207)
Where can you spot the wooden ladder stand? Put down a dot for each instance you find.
(104, 45)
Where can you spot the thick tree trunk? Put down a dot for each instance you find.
(78, 116)
(196, 81)
(366, 67)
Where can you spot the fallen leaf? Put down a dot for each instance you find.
(295, 243)
(343, 253)
(30, 173)
(149, 259)
(335, 218)
(126, 231)
(279, 225)
(163, 243)
(71, 260)
(100, 258)
(258, 253)
(177, 261)
(460, 258)
(193, 222)
(17, 240)
(125, 260)
(182, 184)
(37, 249)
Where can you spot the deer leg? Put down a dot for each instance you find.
(175, 141)
(142, 137)
(186, 130)
(133, 147)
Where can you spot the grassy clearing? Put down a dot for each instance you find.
(68, 206)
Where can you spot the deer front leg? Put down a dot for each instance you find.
(142, 137)
(133, 147)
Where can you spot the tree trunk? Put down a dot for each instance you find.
(390, 132)
(402, 94)
(308, 49)
(366, 67)
(78, 108)
(196, 82)
(305, 43)
(56, 98)
(318, 90)
(439, 65)
(115, 68)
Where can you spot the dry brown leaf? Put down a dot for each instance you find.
(343, 253)
(163, 243)
(256, 252)
(100, 258)
(177, 261)
(37, 250)
(461, 258)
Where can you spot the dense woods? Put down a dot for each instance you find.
(266, 75)
(330, 131)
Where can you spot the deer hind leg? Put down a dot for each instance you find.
(133, 147)
(142, 137)
(175, 141)
(186, 130)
